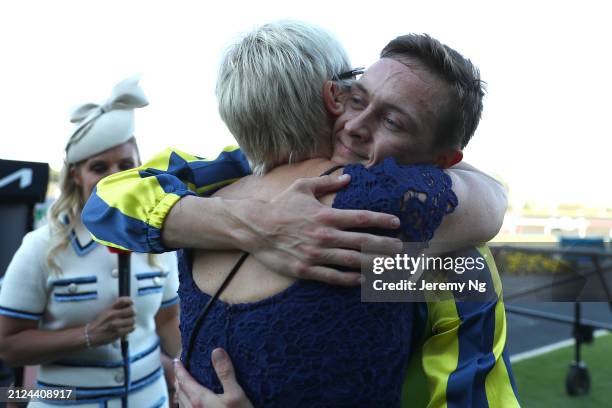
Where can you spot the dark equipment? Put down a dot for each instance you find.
(22, 185)
(578, 379)
(124, 290)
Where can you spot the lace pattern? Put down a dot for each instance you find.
(316, 345)
(420, 195)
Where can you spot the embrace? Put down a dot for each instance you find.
(385, 140)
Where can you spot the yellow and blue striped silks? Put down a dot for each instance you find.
(127, 210)
(460, 359)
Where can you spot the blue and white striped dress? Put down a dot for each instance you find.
(88, 284)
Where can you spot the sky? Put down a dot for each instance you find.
(544, 131)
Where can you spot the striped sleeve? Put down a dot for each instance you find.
(127, 210)
(463, 356)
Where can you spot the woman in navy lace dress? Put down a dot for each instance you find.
(297, 343)
(305, 343)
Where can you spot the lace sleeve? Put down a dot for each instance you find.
(420, 195)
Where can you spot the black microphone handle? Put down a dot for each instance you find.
(124, 290)
(124, 274)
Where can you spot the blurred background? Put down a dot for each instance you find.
(544, 131)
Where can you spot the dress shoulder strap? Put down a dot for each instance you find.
(215, 296)
(204, 313)
(331, 170)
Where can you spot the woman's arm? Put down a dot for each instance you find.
(167, 327)
(167, 317)
(23, 343)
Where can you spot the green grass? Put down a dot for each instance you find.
(541, 380)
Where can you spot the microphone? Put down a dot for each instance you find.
(124, 273)
(124, 290)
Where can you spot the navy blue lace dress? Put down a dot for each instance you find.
(317, 345)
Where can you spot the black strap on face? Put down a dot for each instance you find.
(215, 296)
(348, 74)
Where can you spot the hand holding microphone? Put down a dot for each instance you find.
(114, 322)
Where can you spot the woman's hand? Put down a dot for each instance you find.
(191, 394)
(114, 322)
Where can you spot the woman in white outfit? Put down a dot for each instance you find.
(59, 304)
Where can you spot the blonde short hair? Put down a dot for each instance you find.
(270, 91)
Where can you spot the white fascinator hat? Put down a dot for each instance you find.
(102, 127)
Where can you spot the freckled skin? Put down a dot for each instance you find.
(390, 112)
